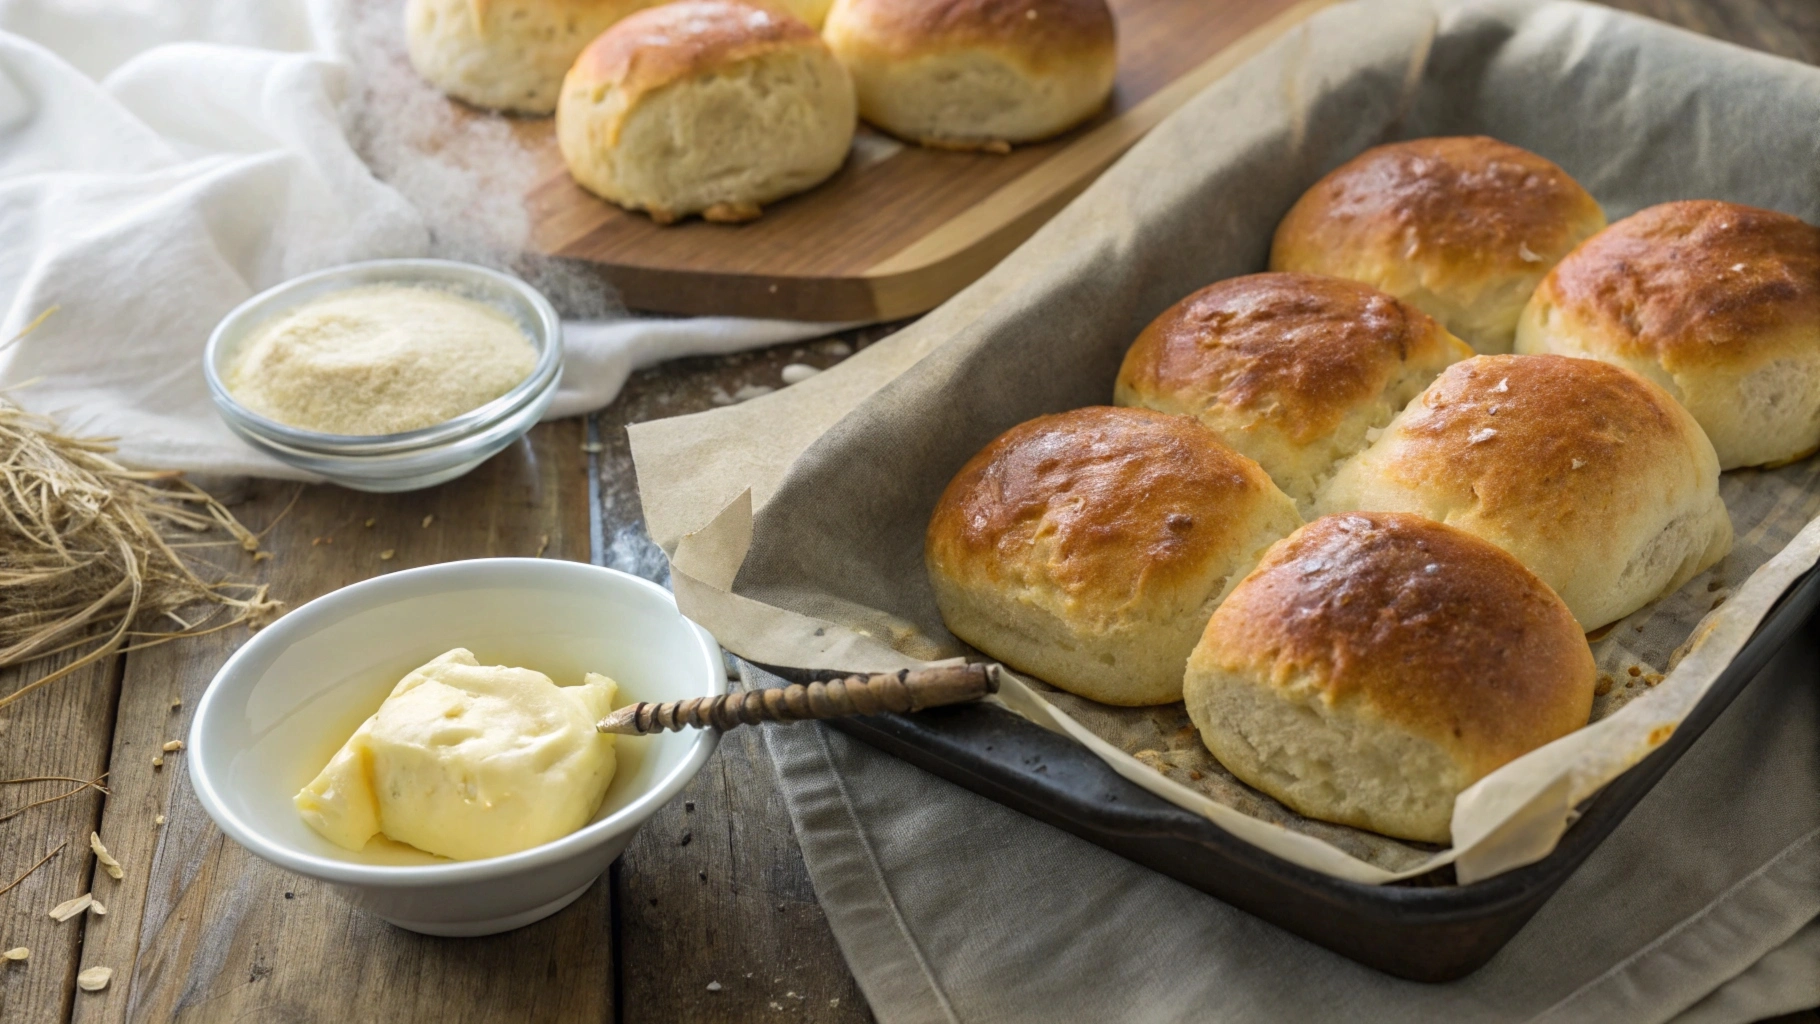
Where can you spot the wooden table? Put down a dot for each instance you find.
(712, 891)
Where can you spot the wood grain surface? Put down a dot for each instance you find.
(198, 930)
(899, 228)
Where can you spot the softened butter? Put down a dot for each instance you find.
(466, 761)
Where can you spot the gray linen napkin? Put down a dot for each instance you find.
(1703, 906)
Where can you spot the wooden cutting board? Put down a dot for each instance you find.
(899, 228)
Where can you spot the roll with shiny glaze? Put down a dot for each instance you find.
(1294, 370)
(1716, 302)
(1375, 665)
(1089, 547)
(1460, 227)
(1593, 477)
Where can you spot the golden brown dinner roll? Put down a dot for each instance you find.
(1290, 369)
(1461, 227)
(1590, 475)
(1375, 664)
(505, 54)
(713, 107)
(1089, 547)
(975, 74)
(811, 12)
(1716, 302)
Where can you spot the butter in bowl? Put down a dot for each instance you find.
(335, 743)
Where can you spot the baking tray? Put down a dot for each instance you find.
(1425, 929)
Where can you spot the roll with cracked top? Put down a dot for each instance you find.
(976, 74)
(1089, 547)
(1593, 477)
(1460, 227)
(1718, 303)
(714, 107)
(1294, 370)
(1377, 664)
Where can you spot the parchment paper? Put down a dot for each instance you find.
(846, 468)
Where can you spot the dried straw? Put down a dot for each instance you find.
(84, 555)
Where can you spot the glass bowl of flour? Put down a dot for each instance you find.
(389, 375)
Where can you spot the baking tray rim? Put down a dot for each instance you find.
(1141, 815)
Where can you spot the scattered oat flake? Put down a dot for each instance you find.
(95, 908)
(176, 704)
(427, 520)
(387, 554)
(1481, 434)
(370, 522)
(159, 820)
(70, 908)
(16, 953)
(172, 746)
(1526, 254)
(157, 762)
(94, 979)
(834, 1002)
(1373, 433)
(592, 447)
(106, 859)
(1503, 385)
(714, 986)
(1577, 463)
(262, 556)
(775, 1005)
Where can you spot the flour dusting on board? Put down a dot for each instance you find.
(464, 170)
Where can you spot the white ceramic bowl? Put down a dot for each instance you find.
(415, 458)
(285, 702)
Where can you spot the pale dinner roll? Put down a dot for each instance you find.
(505, 54)
(713, 107)
(1593, 477)
(1375, 664)
(976, 74)
(1088, 548)
(1462, 228)
(1716, 302)
(1292, 370)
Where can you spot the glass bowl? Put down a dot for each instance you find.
(415, 458)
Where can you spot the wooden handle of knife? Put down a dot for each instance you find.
(896, 692)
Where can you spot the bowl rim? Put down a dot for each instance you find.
(541, 378)
(327, 609)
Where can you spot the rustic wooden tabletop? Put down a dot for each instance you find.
(712, 891)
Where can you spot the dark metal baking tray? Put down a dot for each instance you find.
(1424, 932)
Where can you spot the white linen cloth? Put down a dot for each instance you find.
(163, 160)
